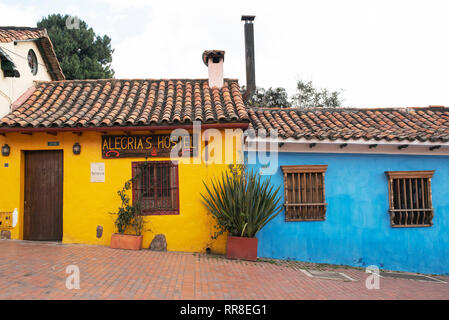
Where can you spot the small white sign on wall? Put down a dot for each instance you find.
(97, 172)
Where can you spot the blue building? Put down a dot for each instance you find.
(360, 186)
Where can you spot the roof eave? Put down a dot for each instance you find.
(349, 141)
(225, 125)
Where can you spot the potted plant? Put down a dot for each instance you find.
(242, 202)
(128, 217)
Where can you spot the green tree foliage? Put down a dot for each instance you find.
(81, 53)
(307, 95)
(271, 98)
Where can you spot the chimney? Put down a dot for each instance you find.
(249, 57)
(214, 59)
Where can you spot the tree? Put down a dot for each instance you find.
(81, 53)
(307, 95)
(271, 98)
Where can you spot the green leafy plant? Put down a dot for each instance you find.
(241, 201)
(138, 224)
(129, 216)
(82, 53)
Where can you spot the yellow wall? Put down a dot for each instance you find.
(87, 205)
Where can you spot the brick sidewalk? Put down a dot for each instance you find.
(31, 270)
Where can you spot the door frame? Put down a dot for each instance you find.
(23, 191)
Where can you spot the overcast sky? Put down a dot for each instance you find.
(381, 53)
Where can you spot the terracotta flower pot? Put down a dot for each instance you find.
(241, 248)
(126, 241)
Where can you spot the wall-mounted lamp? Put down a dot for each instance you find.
(6, 150)
(76, 148)
(434, 147)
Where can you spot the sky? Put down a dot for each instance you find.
(378, 53)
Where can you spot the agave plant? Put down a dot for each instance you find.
(241, 201)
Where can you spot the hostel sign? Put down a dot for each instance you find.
(148, 146)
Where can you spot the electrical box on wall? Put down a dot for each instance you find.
(5, 220)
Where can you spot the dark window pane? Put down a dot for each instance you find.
(155, 187)
(409, 195)
(305, 196)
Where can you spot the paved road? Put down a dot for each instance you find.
(33, 270)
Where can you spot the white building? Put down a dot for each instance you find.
(26, 55)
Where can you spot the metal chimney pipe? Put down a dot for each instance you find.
(249, 57)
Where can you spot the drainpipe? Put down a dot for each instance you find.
(249, 57)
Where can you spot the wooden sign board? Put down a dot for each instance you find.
(147, 146)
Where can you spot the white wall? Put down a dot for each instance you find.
(13, 88)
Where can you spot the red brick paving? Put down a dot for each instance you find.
(31, 270)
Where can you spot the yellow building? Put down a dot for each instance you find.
(71, 145)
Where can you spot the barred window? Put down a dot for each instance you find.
(156, 182)
(410, 198)
(304, 194)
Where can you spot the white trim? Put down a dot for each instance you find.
(356, 148)
(341, 141)
(307, 273)
(432, 279)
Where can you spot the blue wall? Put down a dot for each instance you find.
(357, 229)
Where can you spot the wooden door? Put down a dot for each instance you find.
(43, 195)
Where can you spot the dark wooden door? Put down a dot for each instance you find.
(43, 195)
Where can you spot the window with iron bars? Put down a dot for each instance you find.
(410, 198)
(304, 196)
(155, 183)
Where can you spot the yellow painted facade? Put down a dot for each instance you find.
(87, 205)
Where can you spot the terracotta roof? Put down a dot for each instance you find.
(113, 102)
(9, 34)
(406, 124)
